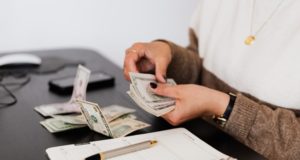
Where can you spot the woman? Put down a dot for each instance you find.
(249, 48)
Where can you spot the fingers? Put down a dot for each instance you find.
(170, 118)
(174, 117)
(130, 64)
(133, 55)
(145, 57)
(165, 90)
(144, 65)
(161, 70)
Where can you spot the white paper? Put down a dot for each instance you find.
(174, 144)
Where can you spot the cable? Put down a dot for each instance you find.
(50, 65)
(8, 91)
(14, 98)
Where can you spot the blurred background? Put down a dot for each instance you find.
(106, 26)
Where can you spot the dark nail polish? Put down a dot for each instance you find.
(153, 85)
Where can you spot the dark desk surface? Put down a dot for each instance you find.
(23, 138)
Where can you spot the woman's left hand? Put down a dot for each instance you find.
(191, 101)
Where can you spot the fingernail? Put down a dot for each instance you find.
(153, 85)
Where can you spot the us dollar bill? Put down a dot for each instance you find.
(80, 84)
(141, 94)
(60, 123)
(111, 113)
(95, 118)
(57, 108)
(123, 127)
(152, 108)
(79, 93)
(71, 119)
(126, 116)
(119, 127)
(140, 83)
(54, 125)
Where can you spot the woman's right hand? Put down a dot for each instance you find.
(146, 57)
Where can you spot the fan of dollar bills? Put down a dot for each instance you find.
(114, 121)
(110, 122)
(147, 100)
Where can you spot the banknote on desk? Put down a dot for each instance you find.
(141, 94)
(110, 112)
(55, 125)
(97, 121)
(60, 123)
(79, 93)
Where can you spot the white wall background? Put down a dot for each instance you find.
(107, 26)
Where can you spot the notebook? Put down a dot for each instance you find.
(173, 144)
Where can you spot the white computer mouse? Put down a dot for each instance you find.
(22, 59)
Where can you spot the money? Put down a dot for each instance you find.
(147, 100)
(119, 127)
(95, 118)
(111, 113)
(79, 93)
(57, 108)
(123, 127)
(71, 119)
(80, 84)
(127, 116)
(140, 83)
(116, 115)
(53, 125)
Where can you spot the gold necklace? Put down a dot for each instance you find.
(252, 37)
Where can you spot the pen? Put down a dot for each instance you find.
(122, 150)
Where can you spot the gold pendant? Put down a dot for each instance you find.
(249, 40)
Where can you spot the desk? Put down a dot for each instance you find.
(23, 138)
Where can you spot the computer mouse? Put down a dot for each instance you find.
(19, 59)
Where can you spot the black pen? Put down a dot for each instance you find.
(122, 150)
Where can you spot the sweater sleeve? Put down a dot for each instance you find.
(185, 66)
(274, 133)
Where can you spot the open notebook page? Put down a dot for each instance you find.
(174, 144)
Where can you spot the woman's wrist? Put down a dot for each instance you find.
(224, 109)
(221, 103)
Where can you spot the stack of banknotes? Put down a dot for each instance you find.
(114, 121)
(142, 95)
(117, 124)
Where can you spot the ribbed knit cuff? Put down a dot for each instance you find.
(242, 117)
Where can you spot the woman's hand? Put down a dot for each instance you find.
(192, 101)
(146, 57)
